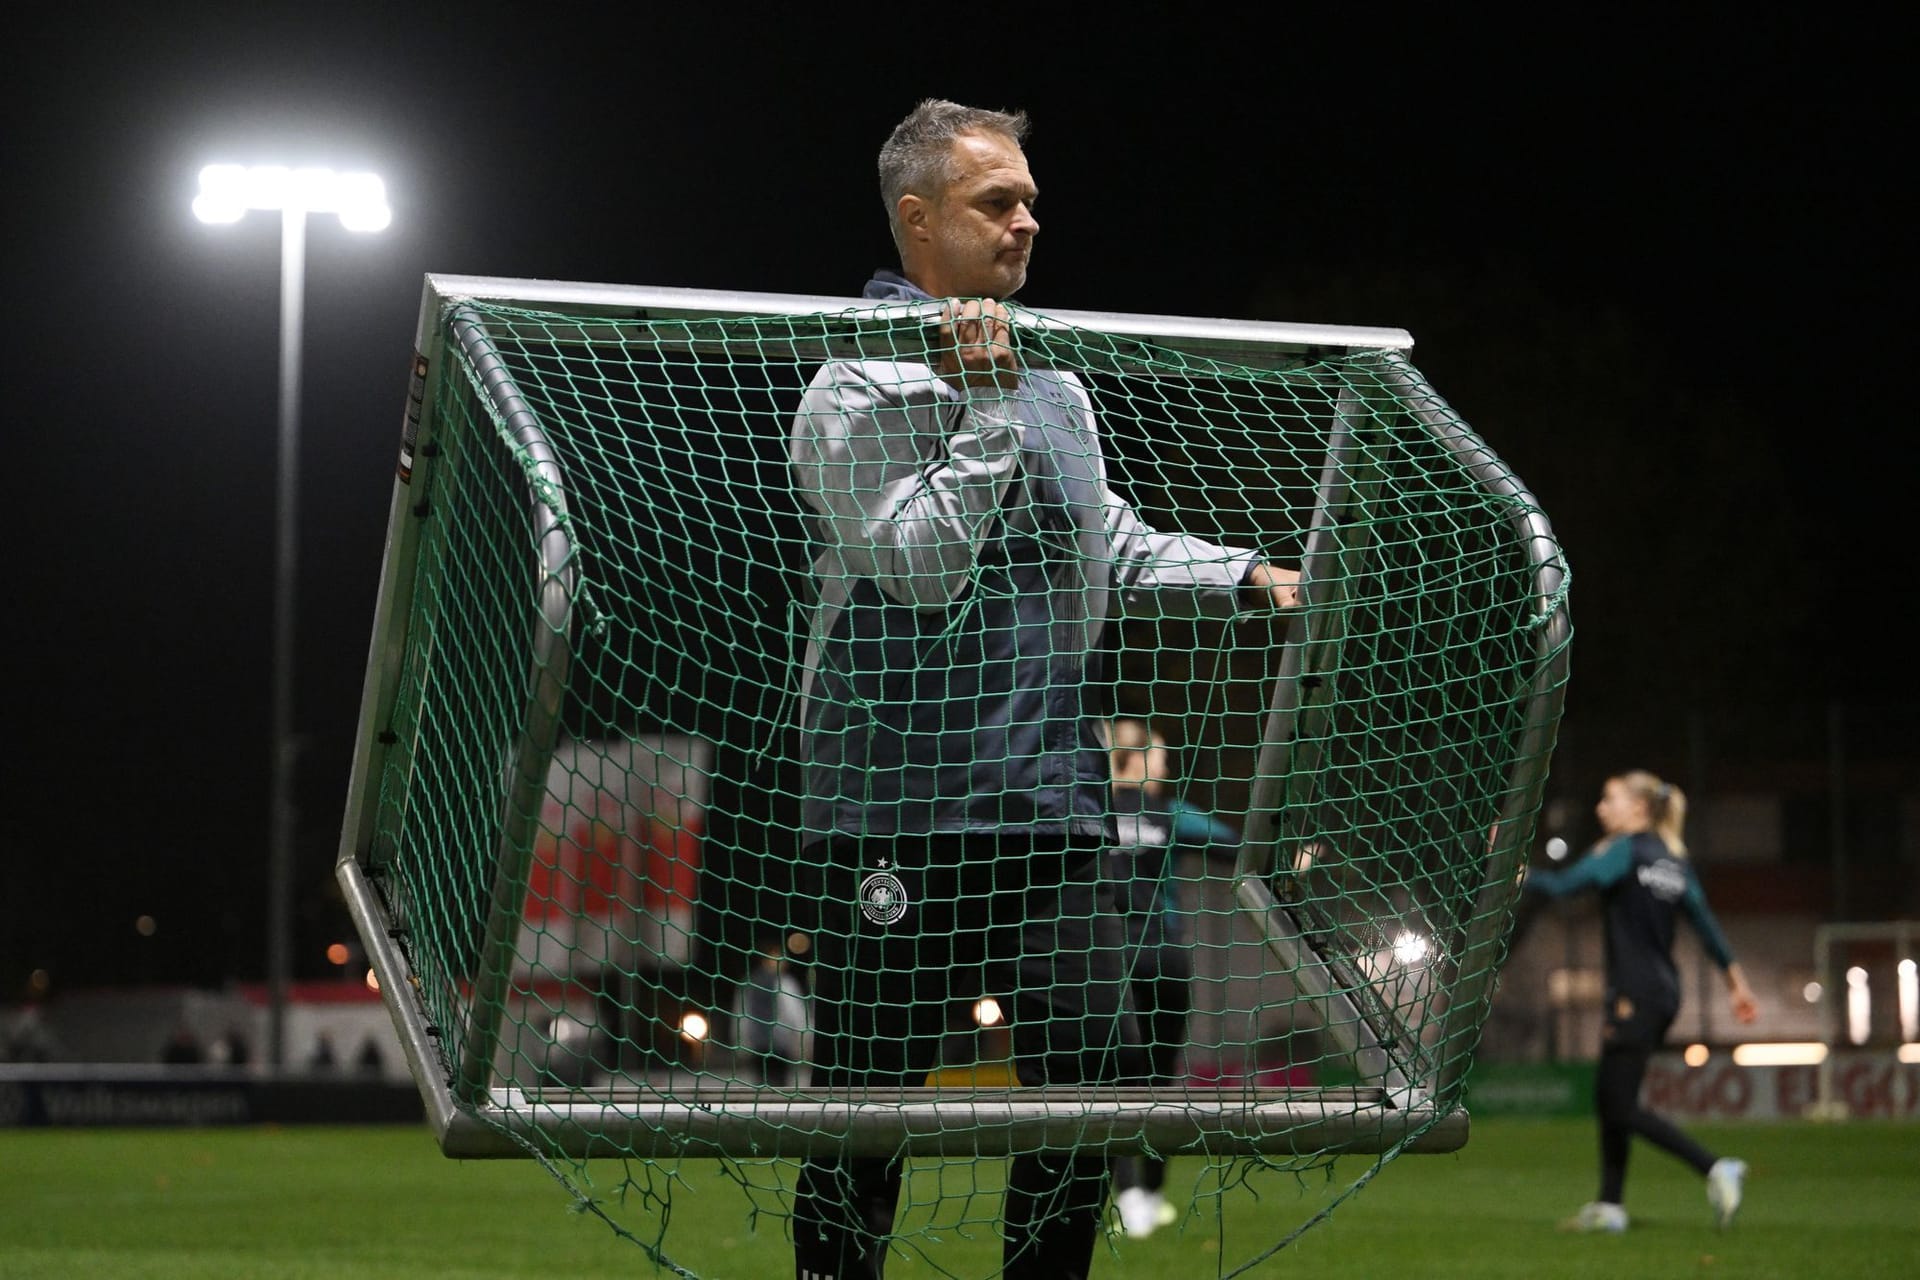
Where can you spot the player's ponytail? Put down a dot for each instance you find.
(1666, 806)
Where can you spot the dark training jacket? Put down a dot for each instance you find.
(1644, 889)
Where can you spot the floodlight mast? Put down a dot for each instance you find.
(227, 192)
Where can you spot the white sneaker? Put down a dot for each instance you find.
(1725, 1184)
(1142, 1212)
(1598, 1216)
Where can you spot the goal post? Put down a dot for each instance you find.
(573, 880)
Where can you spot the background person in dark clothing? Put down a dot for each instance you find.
(971, 556)
(1640, 870)
(1152, 827)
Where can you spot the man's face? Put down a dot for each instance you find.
(979, 232)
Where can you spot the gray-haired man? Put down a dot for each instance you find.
(973, 558)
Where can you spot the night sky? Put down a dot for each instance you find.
(1653, 265)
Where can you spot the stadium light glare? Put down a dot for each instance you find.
(1909, 984)
(1696, 1055)
(227, 193)
(1909, 1054)
(987, 1012)
(694, 1026)
(1859, 1006)
(1409, 948)
(1810, 1053)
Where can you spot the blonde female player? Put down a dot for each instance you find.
(1641, 872)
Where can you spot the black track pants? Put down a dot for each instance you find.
(909, 928)
(1630, 1040)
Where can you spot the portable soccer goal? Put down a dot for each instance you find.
(571, 840)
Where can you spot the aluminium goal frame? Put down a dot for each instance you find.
(473, 1117)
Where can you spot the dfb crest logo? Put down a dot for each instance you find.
(883, 899)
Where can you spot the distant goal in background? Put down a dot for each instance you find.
(1866, 981)
(570, 844)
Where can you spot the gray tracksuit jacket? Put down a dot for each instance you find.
(972, 555)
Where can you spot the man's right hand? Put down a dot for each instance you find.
(973, 347)
(1277, 587)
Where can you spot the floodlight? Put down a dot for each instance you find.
(228, 191)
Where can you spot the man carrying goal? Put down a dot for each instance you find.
(972, 559)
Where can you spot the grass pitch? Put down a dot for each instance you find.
(367, 1203)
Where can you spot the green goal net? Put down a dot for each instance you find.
(666, 733)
